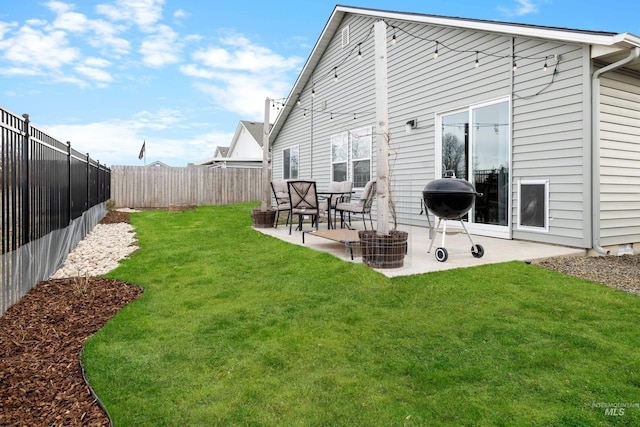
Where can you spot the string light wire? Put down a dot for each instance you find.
(439, 46)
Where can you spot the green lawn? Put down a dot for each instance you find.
(238, 328)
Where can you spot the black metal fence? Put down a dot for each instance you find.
(46, 184)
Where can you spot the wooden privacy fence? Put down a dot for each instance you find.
(160, 187)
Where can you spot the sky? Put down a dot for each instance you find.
(179, 75)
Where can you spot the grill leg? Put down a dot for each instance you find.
(434, 235)
(444, 232)
(468, 235)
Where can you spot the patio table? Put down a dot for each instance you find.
(329, 196)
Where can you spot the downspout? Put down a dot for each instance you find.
(595, 146)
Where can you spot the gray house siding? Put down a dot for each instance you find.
(548, 127)
(620, 158)
(550, 140)
(331, 111)
(422, 87)
(551, 118)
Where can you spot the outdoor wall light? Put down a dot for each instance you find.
(411, 124)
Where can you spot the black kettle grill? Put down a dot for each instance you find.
(450, 199)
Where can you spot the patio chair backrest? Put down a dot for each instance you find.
(280, 191)
(368, 194)
(303, 195)
(347, 187)
(340, 187)
(335, 186)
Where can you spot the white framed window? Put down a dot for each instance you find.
(290, 162)
(533, 205)
(339, 156)
(351, 156)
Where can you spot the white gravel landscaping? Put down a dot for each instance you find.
(99, 252)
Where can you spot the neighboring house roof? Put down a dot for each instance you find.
(255, 129)
(608, 47)
(245, 150)
(221, 152)
(158, 164)
(247, 140)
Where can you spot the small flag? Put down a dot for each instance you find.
(141, 155)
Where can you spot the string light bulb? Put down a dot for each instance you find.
(515, 66)
(313, 91)
(477, 64)
(545, 65)
(359, 52)
(335, 74)
(435, 53)
(393, 39)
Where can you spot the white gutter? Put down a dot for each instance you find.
(595, 145)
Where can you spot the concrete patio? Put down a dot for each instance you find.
(418, 260)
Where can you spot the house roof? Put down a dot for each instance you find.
(158, 164)
(255, 129)
(222, 151)
(608, 47)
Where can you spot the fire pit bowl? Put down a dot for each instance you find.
(449, 198)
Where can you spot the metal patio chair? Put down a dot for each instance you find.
(340, 192)
(304, 201)
(283, 204)
(362, 206)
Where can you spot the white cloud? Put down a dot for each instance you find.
(181, 14)
(97, 62)
(94, 74)
(19, 71)
(522, 7)
(144, 13)
(59, 7)
(162, 119)
(104, 34)
(240, 54)
(162, 48)
(62, 78)
(240, 75)
(70, 21)
(5, 27)
(119, 142)
(35, 22)
(39, 49)
(243, 94)
(195, 71)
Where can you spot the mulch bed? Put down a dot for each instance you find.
(41, 338)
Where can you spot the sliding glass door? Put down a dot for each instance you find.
(474, 144)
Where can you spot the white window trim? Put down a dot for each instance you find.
(342, 136)
(297, 149)
(363, 131)
(544, 182)
(503, 232)
(468, 109)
